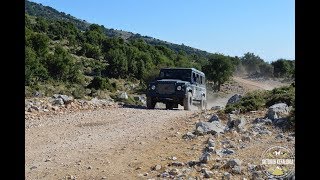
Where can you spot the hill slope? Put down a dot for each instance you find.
(47, 12)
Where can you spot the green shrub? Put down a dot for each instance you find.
(259, 99)
(27, 91)
(99, 83)
(250, 102)
(292, 117)
(78, 92)
(113, 87)
(284, 94)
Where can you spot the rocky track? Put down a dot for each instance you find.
(111, 142)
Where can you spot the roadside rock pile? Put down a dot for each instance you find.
(233, 99)
(59, 103)
(228, 139)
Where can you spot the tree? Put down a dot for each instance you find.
(219, 69)
(34, 69)
(95, 35)
(61, 66)
(90, 51)
(41, 25)
(251, 62)
(99, 83)
(118, 64)
(283, 68)
(38, 42)
(266, 69)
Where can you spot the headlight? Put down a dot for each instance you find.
(153, 87)
(178, 88)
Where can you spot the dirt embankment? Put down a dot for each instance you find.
(110, 143)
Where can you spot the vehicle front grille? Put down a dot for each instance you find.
(165, 88)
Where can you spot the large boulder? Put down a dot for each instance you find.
(66, 99)
(209, 127)
(214, 118)
(123, 95)
(259, 129)
(224, 152)
(37, 94)
(189, 135)
(265, 121)
(278, 111)
(235, 98)
(205, 157)
(58, 101)
(236, 122)
(233, 162)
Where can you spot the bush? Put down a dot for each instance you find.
(90, 51)
(292, 118)
(63, 67)
(114, 86)
(78, 92)
(99, 83)
(259, 99)
(284, 94)
(250, 102)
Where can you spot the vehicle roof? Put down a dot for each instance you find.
(193, 69)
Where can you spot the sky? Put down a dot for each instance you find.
(231, 27)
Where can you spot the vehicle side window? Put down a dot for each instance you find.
(198, 79)
(194, 77)
(201, 80)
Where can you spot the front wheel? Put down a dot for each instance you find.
(150, 103)
(203, 103)
(187, 102)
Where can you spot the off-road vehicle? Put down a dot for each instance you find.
(174, 86)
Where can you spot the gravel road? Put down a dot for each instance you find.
(109, 143)
(86, 144)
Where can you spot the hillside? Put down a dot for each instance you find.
(47, 12)
(83, 59)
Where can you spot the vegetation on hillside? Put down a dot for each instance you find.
(62, 51)
(259, 99)
(47, 12)
(219, 69)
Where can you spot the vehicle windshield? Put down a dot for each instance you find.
(182, 74)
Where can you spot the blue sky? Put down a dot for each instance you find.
(232, 27)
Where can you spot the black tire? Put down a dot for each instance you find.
(150, 103)
(203, 103)
(187, 102)
(169, 106)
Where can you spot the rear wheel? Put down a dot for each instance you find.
(150, 103)
(187, 102)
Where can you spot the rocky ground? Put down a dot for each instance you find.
(102, 139)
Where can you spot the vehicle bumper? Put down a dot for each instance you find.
(178, 98)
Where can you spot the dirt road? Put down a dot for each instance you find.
(94, 144)
(253, 85)
(111, 143)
